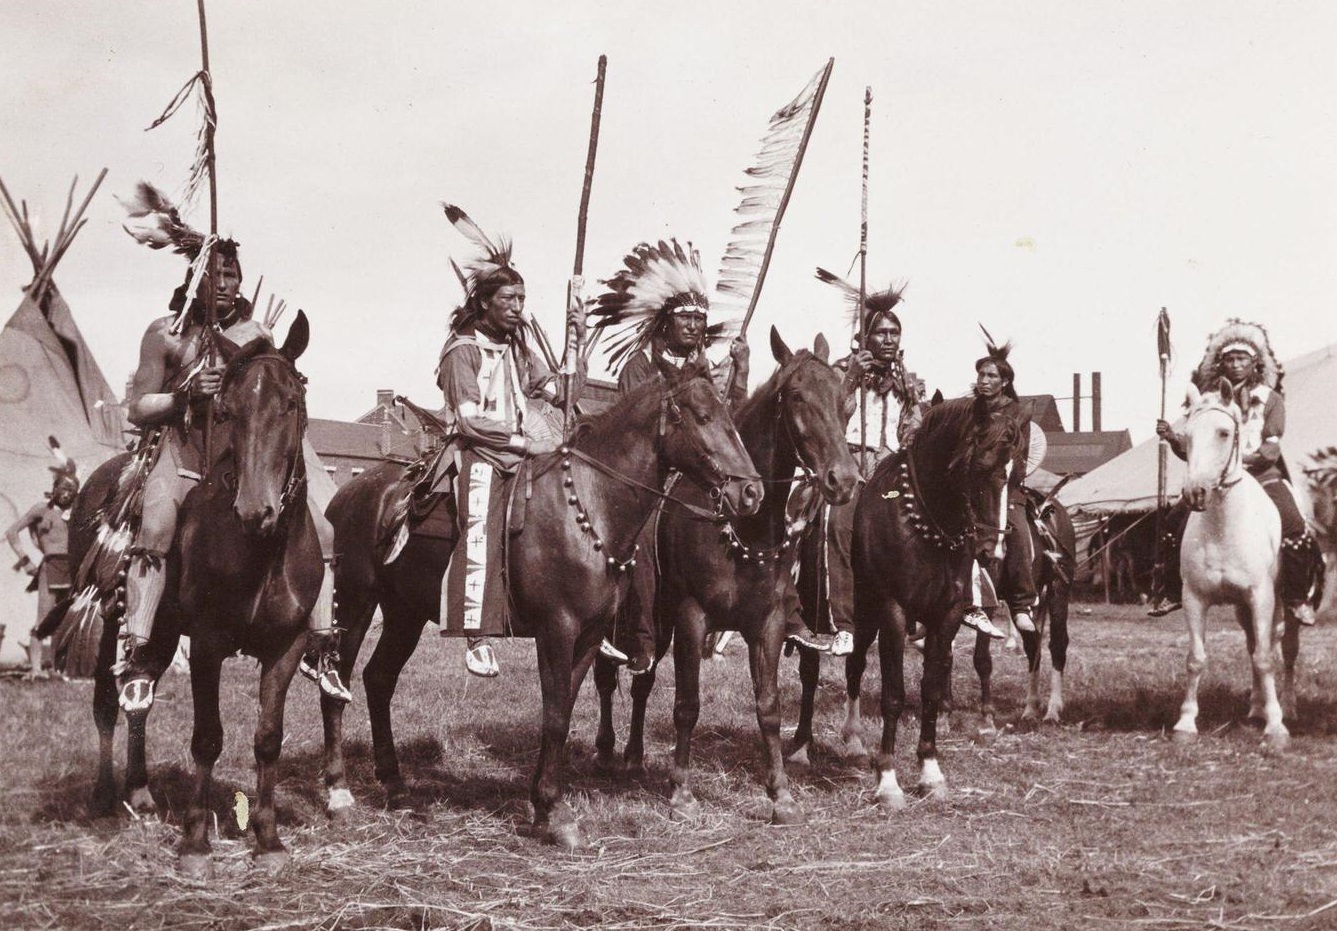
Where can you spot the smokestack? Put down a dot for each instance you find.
(1095, 401)
(1076, 402)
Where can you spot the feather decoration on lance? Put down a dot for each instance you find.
(765, 197)
(654, 282)
(158, 222)
(200, 88)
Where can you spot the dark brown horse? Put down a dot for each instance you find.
(923, 515)
(243, 575)
(566, 571)
(251, 570)
(714, 579)
(1053, 566)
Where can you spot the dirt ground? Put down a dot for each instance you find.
(1102, 822)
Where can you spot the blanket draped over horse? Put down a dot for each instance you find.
(565, 571)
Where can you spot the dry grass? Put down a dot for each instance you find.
(1102, 823)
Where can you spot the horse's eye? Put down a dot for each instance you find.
(1223, 433)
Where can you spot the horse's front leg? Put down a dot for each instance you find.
(605, 740)
(105, 710)
(764, 655)
(691, 632)
(853, 751)
(1058, 651)
(276, 674)
(891, 657)
(1195, 616)
(354, 618)
(206, 743)
(1290, 651)
(809, 674)
(937, 667)
(556, 646)
(983, 660)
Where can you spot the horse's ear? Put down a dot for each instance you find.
(299, 335)
(781, 352)
(1192, 397)
(936, 399)
(1224, 389)
(820, 348)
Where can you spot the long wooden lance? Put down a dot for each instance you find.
(575, 295)
(210, 309)
(1162, 449)
(863, 282)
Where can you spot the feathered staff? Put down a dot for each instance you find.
(863, 277)
(766, 196)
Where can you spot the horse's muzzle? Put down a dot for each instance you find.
(1195, 497)
(259, 521)
(741, 497)
(839, 482)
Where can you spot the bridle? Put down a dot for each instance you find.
(1223, 481)
(295, 482)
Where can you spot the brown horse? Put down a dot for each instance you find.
(915, 533)
(1053, 566)
(566, 571)
(251, 568)
(712, 580)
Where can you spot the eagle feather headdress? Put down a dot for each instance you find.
(654, 282)
(1239, 334)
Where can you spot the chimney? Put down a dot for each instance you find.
(1095, 401)
(385, 397)
(1076, 402)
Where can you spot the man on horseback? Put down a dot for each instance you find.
(1241, 354)
(891, 414)
(665, 312)
(169, 402)
(48, 527)
(486, 372)
(994, 377)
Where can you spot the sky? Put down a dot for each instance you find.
(1055, 171)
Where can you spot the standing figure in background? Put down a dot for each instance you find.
(48, 527)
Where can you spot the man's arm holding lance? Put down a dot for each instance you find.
(150, 406)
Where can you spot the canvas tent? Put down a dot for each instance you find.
(1127, 483)
(50, 385)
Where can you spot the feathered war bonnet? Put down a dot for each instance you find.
(156, 222)
(655, 282)
(1239, 335)
(64, 474)
(481, 274)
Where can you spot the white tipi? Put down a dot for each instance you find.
(50, 385)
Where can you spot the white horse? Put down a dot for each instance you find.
(1230, 555)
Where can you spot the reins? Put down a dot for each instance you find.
(294, 485)
(1223, 482)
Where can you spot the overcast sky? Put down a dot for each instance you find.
(1057, 171)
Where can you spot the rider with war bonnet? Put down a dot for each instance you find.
(1241, 354)
(169, 399)
(659, 299)
(48, 527)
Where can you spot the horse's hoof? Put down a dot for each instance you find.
(986, 736)
(1275, 742)
(787, 813)
(890, 800)
(1184, 737)
(398, 797)
(1055, 718)
(606, 764)
(799, 757)
(194, 865)
(934, 791)
(339, 806)
(141, 802)
(684, 806)
(567, 836)
(271, 861)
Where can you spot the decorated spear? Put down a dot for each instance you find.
(575, 297)
(1162, 450)
(862, 316)
(766, 197)
(211, 310)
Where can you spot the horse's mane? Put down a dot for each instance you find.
(949, 417)
(627, 403)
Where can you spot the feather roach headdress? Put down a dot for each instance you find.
(64, 472)
(998, 356)
(656, 281)
(491, 257)
(876, 304)
(1240, 335)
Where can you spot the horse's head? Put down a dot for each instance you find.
(263, 398)
(698, 439)
(961, 453)
(1211, 440)
(810, 396)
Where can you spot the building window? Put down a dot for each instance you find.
(332, 471)
(357, 470)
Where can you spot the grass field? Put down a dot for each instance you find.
(1100, 823)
